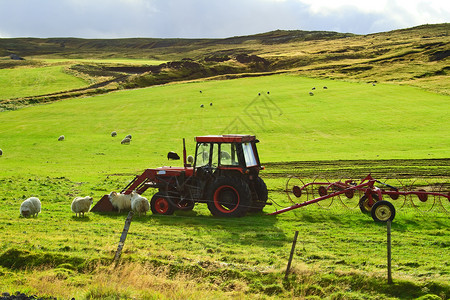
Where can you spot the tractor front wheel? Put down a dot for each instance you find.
(160, 205)
(383, 211)
(229, 197)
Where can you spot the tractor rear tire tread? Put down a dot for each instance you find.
(235, 189)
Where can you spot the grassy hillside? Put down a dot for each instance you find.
(344, 121)
(22, 82)
(416, 56)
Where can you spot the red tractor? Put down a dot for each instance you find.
(224, 174)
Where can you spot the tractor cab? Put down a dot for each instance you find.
(224, 154)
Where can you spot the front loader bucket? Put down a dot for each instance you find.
(103, 205)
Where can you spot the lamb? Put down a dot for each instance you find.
(113, 134)
(126, 140)
(61, 138)
(80, 205)
(128, 136)
(30, 207)
(139, 204)
(120, 201)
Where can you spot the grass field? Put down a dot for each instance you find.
(340, 253)
(23, 82)
(344, 121)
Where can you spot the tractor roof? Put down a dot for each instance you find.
(226, 138)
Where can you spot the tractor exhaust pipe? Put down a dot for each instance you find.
(184, 153)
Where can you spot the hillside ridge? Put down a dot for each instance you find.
(416, 56)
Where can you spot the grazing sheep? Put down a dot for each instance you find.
(173, 155)
(128, 136)
(113, 134)
(139, 204)
(30, 207)
(202, 106)
(311, 93)
(313, 88)
(61, 138)
(126, 141)
(325, 88)
(120, 201)
(81, 205)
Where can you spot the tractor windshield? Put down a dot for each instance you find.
(250, 159)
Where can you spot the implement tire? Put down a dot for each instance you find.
(383, 211)
(229, 197)
(364, 203)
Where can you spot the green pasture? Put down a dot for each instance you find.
(345, 121)
(23, 82)
(340, 253)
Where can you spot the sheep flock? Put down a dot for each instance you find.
(31, 207)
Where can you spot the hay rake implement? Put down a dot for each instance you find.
(369, 195)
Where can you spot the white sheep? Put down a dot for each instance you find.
(126, 140)
(81, 205)
(113, 134)
(61, 138)
(120, 201)
(30, 207)
(139, 204)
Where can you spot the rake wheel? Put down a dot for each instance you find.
(423, 202)
(295, 190)
(322, 190)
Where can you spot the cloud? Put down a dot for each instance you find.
(205, 18)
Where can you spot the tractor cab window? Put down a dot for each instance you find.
(215, 158)
(203, 150)
(249, 155)
(228, 155)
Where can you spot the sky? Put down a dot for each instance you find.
(210, 18)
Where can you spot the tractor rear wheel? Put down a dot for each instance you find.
(160, 204)
(383, 211)
(262, 193)
(229, 197)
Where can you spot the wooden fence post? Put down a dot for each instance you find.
(123, 237)
(294, 242)
(389, 274)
